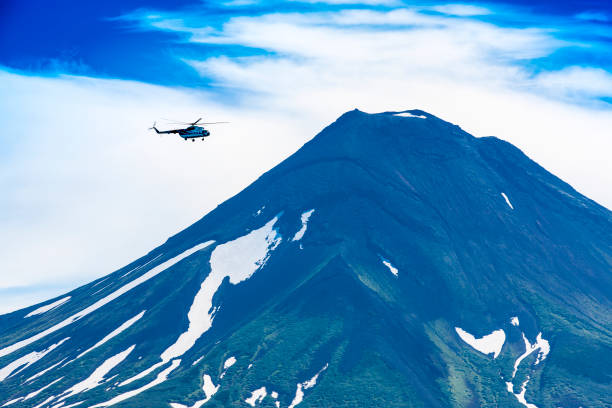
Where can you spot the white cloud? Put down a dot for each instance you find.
(466, 71)
(577, 81)
(461, 10)
(88, 188)
(355, 2)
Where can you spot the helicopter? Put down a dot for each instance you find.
(192, 132)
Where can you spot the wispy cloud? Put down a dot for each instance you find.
(576, 82)
(593, 16)
(464, 10)
(87, 189)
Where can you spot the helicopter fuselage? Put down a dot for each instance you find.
(193, 132)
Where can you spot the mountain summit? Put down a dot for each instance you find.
(393, 261)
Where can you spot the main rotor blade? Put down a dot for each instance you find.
(212, 123)
(194, 123)
(178, 122)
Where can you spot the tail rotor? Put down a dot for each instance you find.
(154, 128)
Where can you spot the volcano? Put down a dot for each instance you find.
(393, 261)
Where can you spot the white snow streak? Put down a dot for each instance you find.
(161, 377)
(514, 321)
(544, 348)
(274, 395)
(23, 362)
(48, 307)
(107, 299)
(32, 394)
(392, 268)
(35, 393)
(45, 370)
(197, 361)
(99, 282)
(299, 392)
(521, 395)
(507, 200)
(114, 333)
(305, 217)
(256, 396)
(44, 402)
(61, 405)
(229, 362)
(238, 260)
(97, 377)
(409, 115)
(209, 390)
(208, 387)
(491, 343)
(140, 266)
(143, 373)
(102, 289)
(540, 344)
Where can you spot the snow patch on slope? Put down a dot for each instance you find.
(521, 395)
(274, 396)
(143, 373)
(198, 360)
(238, 260)
(305, 217)
(105, 300)
(409, 115)
(299, 392)
(514, 321)
(97, 377)
(228, 363)
(161, 377)
(33, 393)
(139, 266)
(25, 361)
(114, 333)
(61, 405)
(540, 344)
(388, 264)
(491, 343)
(256, 396)
(507, 201)
(209, 390)
(544, 348)
(43, 372)
(46, 308)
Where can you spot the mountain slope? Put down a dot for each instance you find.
(394, 260)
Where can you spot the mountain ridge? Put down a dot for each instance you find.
(413, 234)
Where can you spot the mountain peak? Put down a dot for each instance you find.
(379, 137)
(394, 260)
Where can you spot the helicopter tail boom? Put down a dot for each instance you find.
(160, 132)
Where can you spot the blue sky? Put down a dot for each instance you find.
(105, 39)
(86, 188)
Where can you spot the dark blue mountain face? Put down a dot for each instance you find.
(393, 261)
